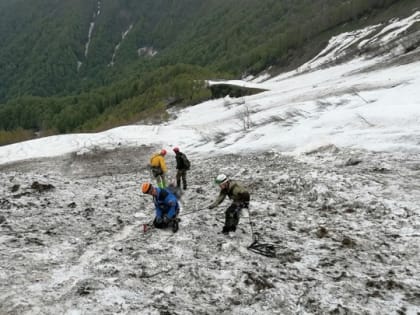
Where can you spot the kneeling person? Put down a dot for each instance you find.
(166, 205)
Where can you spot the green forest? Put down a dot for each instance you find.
(89, 65)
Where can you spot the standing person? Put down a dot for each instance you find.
(238, 194)
(182, 166)
(158, 165)
(166, 206)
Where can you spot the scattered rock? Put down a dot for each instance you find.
(342, 275)
(321, 232)
(119, 220)
(381, 170)
(260, 283)
(348, 242)
(88, 212)
(5, 204)
(41, 187)
(72, 205)
(17, 196)
(15, 188)
(34, 240)
(200, 191)
(290, 226)
(329, 148)
(352, 162)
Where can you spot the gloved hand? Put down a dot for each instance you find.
(211, 206)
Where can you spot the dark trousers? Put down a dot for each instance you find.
(232, 216)
(172, 223)
(164, 222)
(181, 174)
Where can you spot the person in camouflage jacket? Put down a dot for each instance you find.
(240, 199)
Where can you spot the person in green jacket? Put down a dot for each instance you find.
(240, 199)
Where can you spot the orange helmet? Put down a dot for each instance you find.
(145, 187)
(163, 152)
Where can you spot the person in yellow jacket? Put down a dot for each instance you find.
(158, 167)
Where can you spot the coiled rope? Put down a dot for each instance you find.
(265, 249)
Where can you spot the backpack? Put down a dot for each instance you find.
(174, 190)
(186, 162)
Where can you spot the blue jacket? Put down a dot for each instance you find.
(165, 204)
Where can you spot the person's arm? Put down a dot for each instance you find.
(163, 165)
(172, 205)
(219, 200)
(177, 162)
(159, 212)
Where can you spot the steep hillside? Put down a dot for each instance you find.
(108, 55)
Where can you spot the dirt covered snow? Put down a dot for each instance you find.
(344, 224)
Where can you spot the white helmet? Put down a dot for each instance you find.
(220, 179)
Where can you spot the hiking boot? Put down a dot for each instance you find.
(175, 226)
(226, 230)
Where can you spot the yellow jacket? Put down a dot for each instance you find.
(157, 160)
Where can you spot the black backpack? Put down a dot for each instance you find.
(186, 162)
(175, 190)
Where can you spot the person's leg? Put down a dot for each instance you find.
(160, 179)
(231, 218)
(163, 181)
(178, 178)
(235, 218)
(174, 224)
(184, 178)
(159, 224)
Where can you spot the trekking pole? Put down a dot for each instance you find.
(250, 224)
(151, 174)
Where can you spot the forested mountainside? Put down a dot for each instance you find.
(86, 65)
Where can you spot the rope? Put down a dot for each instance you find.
(198, 210)
(265, 249)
